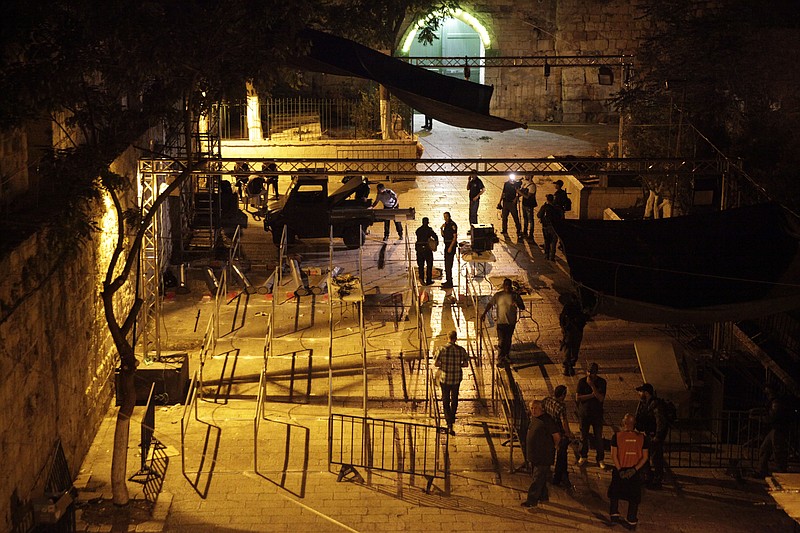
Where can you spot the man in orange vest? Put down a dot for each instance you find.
(629, 450)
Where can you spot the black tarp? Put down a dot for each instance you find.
(450, 100)
(732, 265)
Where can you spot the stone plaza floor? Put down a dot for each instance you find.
(221, 477)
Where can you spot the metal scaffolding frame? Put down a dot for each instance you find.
(553, 166)
(619, 60)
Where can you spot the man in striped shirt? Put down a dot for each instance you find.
(451, 359)
(555, 407)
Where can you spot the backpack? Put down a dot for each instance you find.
(567, 204)
(669, 410)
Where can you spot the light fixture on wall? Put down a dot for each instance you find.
(605, 76)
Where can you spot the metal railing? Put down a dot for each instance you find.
(731, 440)
(390, 446)
(189, 405)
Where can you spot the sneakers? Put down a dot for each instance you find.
(582, 461)
(447, 285)
(616, 518)
(529, 505)
(602, 465)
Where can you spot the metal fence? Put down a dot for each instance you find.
(313, 118)
(388, 445)
(731, 441)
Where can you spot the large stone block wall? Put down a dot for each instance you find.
(57, 359)
(556, 27)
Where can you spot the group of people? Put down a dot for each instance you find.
(637, 451)
(248, 186)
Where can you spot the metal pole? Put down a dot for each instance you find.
(361, 318)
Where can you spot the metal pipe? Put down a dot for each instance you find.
(248, 287)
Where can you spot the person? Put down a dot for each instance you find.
(629, 450)
(254, 189)
(389, 200)
(548, 215)
(507, 302)
(425, 235)
(449, 232)
(362, 191)
(776, 441)
(241, 172)
(651, 420)
(560, 197)
(590, 396)
(428, 123)
(272, 177)
(572, 321)
(476, 189)
(541, 442)
(508, 204)
(451, 359)
(556, 407)
(528, 192)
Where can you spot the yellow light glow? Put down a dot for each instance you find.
(458, 14)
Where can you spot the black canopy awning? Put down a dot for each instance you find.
(450, 100)
(732, 265)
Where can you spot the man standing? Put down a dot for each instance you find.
(555, 406)
(425, 236)
(560, 197)
(508, 204)
(476, 189)
(450, 240)
(540, 445)
(548, 215)
(629, 452)
(507, 302)
(389, 200)
(776, 442)
(590, 396)
(652, 421)
(528, 192)
(451, 359)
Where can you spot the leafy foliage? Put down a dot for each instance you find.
(728, 68)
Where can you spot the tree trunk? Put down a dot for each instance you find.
(386, 112)
(119, 458)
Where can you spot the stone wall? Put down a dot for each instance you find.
(13, 166)
(57, 359)
(556, 27)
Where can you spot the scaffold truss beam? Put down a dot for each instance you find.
(524, 61)
(576, 166)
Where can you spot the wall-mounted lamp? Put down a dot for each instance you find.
(605, 76)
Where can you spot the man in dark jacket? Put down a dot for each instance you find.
(572, 320)
(425, 236)
(776, 441)
(508, 203)
(540, 445)
(652, 421)
(548, 215)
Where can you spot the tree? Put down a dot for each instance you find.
(113, 69)
(728, 69)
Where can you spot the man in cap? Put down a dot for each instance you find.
(652, 421)
(507, 301)
(590, 395)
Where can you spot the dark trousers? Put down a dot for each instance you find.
(450, 402)
(473, 210)
(425, 264)
(449, 257)
(633, 509)
(656, 458)
(595, 423)
(777, 444)
(561, 474)
(572, 345)
(398, 226)
(505, 334)
(527, 221)
(550, 242)
(538, 490)
(510, 208)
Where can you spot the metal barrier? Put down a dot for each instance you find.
(390, 446)
(148, 426)
(731, 441)
(189, 405)
(515, 413)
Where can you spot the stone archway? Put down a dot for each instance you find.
(459, 35)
